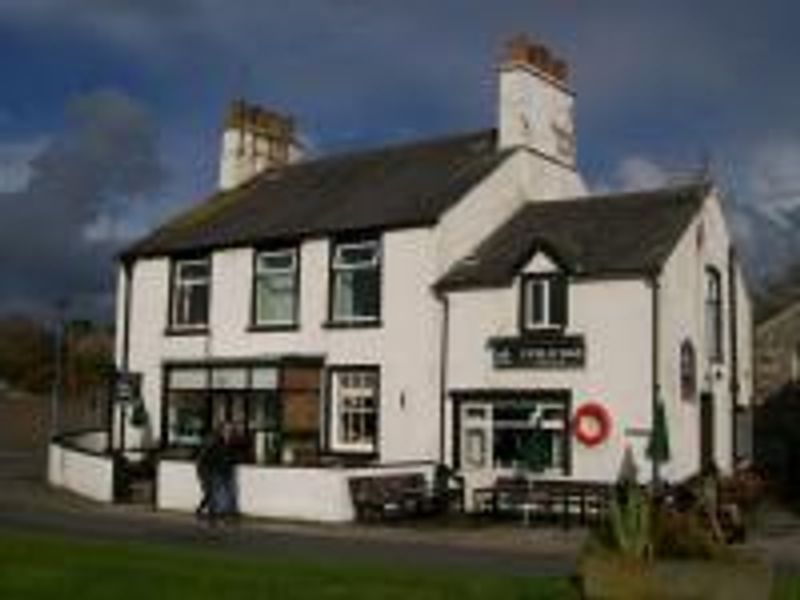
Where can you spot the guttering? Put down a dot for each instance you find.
(444, 353)
(655, 287)
(124, 359)
(733, 320)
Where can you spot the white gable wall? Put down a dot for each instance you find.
(524, 176)
(614, 317)
(682, 312)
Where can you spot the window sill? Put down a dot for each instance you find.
(276, 328)
(555, 330)
(354, 452)
(371, 324)
(187, 331)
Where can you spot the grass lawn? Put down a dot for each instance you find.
(33, 567)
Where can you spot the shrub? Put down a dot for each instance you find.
(678, 534)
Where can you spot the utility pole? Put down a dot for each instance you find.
(58, 375)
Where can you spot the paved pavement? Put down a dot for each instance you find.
(27, 504)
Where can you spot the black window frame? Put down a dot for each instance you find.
(294, 324)
(174, 326)
(555, 281)
(337, 321)
(687, 363)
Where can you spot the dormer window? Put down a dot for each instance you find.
(277, 288)
(544, 302)
(191, 291)
(355, 282)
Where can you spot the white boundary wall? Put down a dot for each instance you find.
(305, 494)
(79, 467)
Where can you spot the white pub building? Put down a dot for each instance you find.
(461, 301)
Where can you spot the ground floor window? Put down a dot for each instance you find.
(515, 433)
(354, 409)
(274, 410)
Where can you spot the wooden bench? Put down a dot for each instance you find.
(547, 500)
(377, 497)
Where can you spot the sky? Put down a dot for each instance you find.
(111, 110)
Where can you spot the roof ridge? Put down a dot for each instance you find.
(376, 150)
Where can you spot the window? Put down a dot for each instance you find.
(688, 370)
(191, 287)
(276, 288)
(714, 315)
(354, 412)
(515, 434)
(355, 276)
(544, 302)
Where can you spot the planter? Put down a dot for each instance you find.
(740, 576)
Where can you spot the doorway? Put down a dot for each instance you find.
(706, 430)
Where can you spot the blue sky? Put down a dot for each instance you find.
(110, 109)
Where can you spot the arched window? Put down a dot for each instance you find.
(714, 342)
(688, 367)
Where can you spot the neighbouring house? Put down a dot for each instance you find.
(777, 342)
(462, 300)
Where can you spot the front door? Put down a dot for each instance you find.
(706, 430)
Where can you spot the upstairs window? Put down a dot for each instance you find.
(356, 282)
(544, 302)
(276, 288)
(714, 339)
(191, 292)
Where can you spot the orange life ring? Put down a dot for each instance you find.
(591, 424)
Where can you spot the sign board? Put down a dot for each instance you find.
(127, 387)
(539, 352)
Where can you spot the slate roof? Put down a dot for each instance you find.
(620, 234)
(393, 187)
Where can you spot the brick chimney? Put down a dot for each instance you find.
(536, 104)
(255, 139)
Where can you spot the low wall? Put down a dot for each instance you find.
(307, 494)
(77, 463)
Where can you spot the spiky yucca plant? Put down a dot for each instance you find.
(630, 520)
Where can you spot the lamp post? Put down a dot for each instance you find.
(58, 370)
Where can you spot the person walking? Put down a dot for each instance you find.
(208, 461)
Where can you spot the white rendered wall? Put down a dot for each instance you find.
(305, 494)
(406, 346)
(85, 474)
(614, 317)
(523, 177)
(536, 112)
(683, 293)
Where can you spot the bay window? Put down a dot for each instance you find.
(276, 286)
(355, 282)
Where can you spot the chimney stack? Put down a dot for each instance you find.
(536, 104)
(255, 139)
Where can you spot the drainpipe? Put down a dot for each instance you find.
(655, 287)
(444, 352)
(733, 320)
(127, 269)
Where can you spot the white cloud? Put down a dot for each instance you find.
(15, 163)
(772, 175)
(637, 173)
